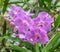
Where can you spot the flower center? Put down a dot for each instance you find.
(40, 23)
(37, 36)
(25, 22)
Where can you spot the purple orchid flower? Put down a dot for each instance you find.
(43, 20)
(37, 35)
(30, 30)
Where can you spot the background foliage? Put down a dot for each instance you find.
(12, 44)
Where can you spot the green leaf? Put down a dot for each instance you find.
(49, 1)
(1, 38)
(53, 43)
(19, 49)
(40, 3)
(5, 6)
(3, 11)
(27, 45)
(12, 38)
(1, 3)
(15, 2)
(57, 21)
(56, 2)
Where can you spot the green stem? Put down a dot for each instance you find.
(4, 27)
(5, 6)
(3, 11)
(36, 48)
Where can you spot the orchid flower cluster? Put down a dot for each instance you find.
(28, 29)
